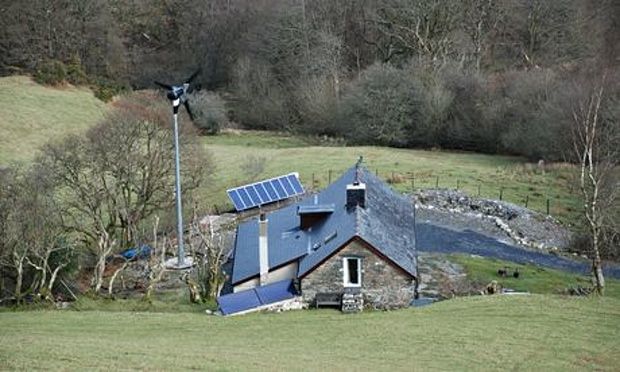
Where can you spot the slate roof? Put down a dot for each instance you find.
(386, 223)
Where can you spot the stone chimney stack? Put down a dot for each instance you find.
(263, 249)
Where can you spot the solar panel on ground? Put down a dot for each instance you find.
(256, 297)
(267, 191)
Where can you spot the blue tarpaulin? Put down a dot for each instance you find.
(252, 298)
(144, 251)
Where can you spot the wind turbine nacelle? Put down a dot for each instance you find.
(175, 93)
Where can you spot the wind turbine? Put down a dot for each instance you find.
(177, 94)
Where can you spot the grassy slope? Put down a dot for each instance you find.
(286, 154)
(31, 114)
(532, 278)
(477, 333)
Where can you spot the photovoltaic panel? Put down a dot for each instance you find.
(267, 191)
(295, 183)
(287, 185)
(270, 190)
(233, 303)
(279, 189)
(236, 199)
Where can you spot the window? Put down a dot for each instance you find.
(352, 273)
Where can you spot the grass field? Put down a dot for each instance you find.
(476, 333)
(532, 278)
(284, 153)
(31, 114)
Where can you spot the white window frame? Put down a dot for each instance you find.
(345, 272)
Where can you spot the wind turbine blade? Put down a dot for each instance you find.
(191, 78)
(165, 86)
(189, 112)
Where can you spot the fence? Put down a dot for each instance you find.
(408, 182)
(518, 193)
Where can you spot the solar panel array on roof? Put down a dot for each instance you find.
(264, 192)
(252, 298)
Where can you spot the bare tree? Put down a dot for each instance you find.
(596, 146)
(422, 28)
(118, 175)
(480, 18)
(209, 249)
(156, 266)
(32, 236)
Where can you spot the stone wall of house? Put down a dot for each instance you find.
(383, 285)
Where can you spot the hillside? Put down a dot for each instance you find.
(475, 333)
(31, 114)
(513, 177)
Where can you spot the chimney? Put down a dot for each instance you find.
(356, 191)
(356, 195)
(263, 250)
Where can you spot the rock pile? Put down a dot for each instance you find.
(525, 227)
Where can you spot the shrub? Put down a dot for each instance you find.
(209, 111)
(381, 107)
(105, 89)
(260, 100)
(51, 72)
(75, 72)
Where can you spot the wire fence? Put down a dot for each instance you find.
(411, 181)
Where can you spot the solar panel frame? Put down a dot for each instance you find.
(266, 191)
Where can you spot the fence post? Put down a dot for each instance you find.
(413, 181)
(329, 177)
(501, 193)
(478, 189)
(437, 182)
(312, 180)
(527, 199)
(458, 184)
(377, 172)
(547, 206)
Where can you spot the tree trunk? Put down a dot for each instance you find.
(18, 281)
(99, 270)
(597, 270)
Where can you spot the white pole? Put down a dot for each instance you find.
(181, 250)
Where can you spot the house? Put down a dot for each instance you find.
(353, 242)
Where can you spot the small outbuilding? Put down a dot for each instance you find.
(351, 245)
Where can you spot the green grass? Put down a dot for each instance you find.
(532, 278)
(477, 333)
(31, 114)
(287, 154)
